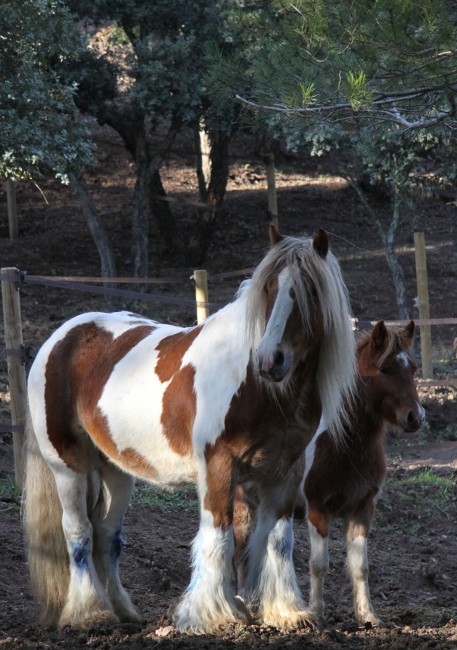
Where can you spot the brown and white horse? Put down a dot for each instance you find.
(116, 395)
(342, 480)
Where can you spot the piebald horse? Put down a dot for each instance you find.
(116, 395)
(343, 480)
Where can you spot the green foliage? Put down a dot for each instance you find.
(358, 93)
(10, 495)
(40, 130)
(153, 58)
(419, 494)
(166, 499)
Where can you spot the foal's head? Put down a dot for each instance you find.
(385, 359)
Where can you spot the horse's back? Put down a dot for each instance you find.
(100, 374)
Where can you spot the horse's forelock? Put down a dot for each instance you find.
(394, 345)
(295, 254)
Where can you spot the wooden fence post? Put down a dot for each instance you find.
(11, 206)
(201, 294)
(16, 368)
(423, 304)
(271, 188)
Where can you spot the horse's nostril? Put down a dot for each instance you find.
(278, 358)
(413, 420)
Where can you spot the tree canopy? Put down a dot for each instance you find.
(40, 129)
(381, 60)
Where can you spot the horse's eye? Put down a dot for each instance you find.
(384, 370)
(292, 294)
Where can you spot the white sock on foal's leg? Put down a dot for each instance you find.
(318, 567)
(357, 562)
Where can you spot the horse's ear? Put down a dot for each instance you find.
(379, 336)
(320, 243)
(409, 331)
(275, 235)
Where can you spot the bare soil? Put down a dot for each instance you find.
(413, 545)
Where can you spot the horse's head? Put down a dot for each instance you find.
(298, 320)
(385, 358)
(293, 315)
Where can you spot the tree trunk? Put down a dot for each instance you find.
(388, 238)
(396, 270)
(140, 216)
(212, 173)
(162, 214)
(98, 232)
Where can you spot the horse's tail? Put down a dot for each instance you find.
(42, 520)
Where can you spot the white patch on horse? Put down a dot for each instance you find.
(403, 359)
(276, 325)
(319, 562)
(131, 425)
(421, 411)
(206, 599)
(219, 375)
(311, 449)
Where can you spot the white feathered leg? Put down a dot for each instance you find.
(271, 588)
(209, 601)
(87, 603)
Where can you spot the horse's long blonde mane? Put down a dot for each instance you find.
(337, 367)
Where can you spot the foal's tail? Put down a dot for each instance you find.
(42, 519)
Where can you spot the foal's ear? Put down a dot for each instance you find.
(275, 235)
(409, 332)
(320, 243)
(379, 336)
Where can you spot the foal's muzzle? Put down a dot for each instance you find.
(414, 419)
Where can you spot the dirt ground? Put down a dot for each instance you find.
(413, 545)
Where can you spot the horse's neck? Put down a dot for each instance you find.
(365, 420)
(304, 395)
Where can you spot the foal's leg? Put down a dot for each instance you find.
(210, 599)
(271, 588)
(357, 562)
(87, 603)
(116, 492)
(318, 526)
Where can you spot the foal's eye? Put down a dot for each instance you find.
(384, 370)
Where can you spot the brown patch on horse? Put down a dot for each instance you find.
(319, 520)
(73, 388)
(321, 243)
(342, 481)
(179, 406)
(371, 348)
(275, 235)
(128, 459)
(171, 351)
(220, 482)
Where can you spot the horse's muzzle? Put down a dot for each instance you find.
(279, 368)
(414, 420)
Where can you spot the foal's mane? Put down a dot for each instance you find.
(395, 344)
(314, 279)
